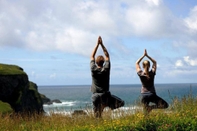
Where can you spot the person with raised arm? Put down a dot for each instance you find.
(148, 91)
(100, 72)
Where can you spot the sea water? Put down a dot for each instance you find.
(78, 97)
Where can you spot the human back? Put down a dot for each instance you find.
(147, 81)
(100, 77)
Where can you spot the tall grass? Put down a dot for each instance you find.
(180, 116)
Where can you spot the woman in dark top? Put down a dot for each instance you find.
(148, 89)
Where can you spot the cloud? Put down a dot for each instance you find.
(191, 21)
(187, 40)
(186, 63)
(183, 74)
(188, 44)
(152, 19)
(153, 2)
(52, 76)
(73, 26)
(179, 63)
(33, 74)
(184, 70)
(191, 62)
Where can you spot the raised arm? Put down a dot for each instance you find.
(137, 64)
(154, 67)
(95, 50)
(104, 50)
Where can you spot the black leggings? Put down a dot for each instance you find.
(102, 100)
(152, 97)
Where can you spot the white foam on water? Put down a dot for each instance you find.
(65, 103)
(116, 113)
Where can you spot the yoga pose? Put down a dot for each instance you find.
(148, 88)
(100, 72)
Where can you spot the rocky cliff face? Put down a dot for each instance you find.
(18, 91)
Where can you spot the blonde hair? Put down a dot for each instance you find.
(146, 66)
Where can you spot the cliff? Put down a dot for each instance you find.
(17, 92)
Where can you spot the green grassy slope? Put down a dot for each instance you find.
(10, 70)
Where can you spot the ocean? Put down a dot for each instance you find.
(78, 97)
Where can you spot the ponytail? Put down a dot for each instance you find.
(147, 71)
(146, 65)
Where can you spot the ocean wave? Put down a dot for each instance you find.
(122, 111)
(65, 103)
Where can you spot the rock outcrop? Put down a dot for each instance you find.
(16, 90)
(48, 101)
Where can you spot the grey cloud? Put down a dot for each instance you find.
(73, 26)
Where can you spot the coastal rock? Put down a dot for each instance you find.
(79, 113)
(18, 91)
(56, 101)
(47, 101)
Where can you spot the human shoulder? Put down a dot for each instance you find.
(107, 64)
(140, 72)
(153, 71)
(92, 64)
(107, 61)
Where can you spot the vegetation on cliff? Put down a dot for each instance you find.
(17, 92)
(5, 107)
(11, 70)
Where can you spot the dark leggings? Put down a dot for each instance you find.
(152, 97)
(102, 100)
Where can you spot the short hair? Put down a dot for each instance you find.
(100, 60)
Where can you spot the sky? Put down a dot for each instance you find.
(52, 40)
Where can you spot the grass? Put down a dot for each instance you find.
(180, 116)
(5, 107)
(11, 70)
